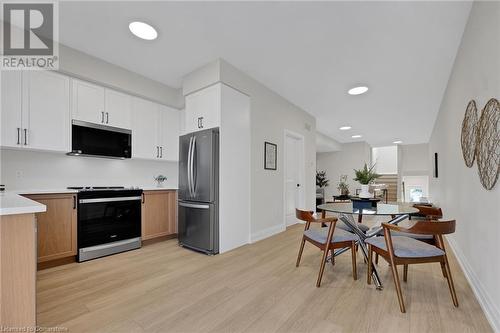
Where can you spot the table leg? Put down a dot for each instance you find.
(348, 219)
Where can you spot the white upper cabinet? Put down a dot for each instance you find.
(11, 113)
(145, 129)
(155, 131)
(46, 115)
(118, 108)
(169, 133)
(88, 102)
(99, 105)
(35, 110)
(203, 109)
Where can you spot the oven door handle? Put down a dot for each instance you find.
(84, 201)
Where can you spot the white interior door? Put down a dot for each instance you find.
(294, 169)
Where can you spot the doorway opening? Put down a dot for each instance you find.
(294, 176)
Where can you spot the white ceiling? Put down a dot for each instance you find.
(309, 52)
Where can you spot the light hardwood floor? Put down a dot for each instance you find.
(255, 288)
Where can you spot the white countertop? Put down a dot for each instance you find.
(12, 203)
(64, 190)
(154, 188)
(44, 191)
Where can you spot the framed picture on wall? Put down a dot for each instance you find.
(270, 156)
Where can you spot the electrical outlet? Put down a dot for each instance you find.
(19, 174)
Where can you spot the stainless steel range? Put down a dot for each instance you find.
(109, 220)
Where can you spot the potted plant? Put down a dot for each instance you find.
(159, 180)
(343, 186)
(365, 177)
(321, 180)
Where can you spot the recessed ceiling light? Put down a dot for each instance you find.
(397, 142)
(143, 30)
(357, 136)
(345, 128)
(357, 90)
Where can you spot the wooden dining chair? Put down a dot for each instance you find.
(327, 239)
(429, 214)
(403, 250)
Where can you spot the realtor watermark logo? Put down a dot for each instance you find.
(29, 37)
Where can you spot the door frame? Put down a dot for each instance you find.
(302, 169)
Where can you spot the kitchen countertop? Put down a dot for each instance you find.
(154, 188)
(64, 190)
(12, 203)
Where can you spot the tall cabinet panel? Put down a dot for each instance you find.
(46, 113)
(11, 109)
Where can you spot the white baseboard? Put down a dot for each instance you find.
(490, 310)
(268, 232)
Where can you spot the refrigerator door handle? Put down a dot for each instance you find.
(189, 205)
(189, 166)
(193, 176)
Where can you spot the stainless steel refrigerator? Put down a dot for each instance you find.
(198, 211)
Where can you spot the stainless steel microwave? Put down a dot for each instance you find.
(88, 139)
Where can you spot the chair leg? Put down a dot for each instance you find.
(395, 275)
(443, 269)
(376, 258)
(405, 273)
(300, 251)
(450, 282)
(322, 267)
(332, 254)
(354, 268)
(369, 273)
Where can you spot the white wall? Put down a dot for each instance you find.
(41, 170)
(325, 144)
(270, 115)
(352, 156)
(385, 160)
(475, 75)
(414, 159)
(87, 67)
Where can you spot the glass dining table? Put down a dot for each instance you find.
(396, 212)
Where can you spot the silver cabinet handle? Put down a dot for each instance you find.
(161, 152)
(102, 117)
(25, 137)
(157, 152)
(188, 205)
(107, 117)
(18, 136)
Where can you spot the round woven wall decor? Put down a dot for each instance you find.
(469, 133)
(488, 144)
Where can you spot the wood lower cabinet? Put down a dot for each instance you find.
(159, 213)
(57, 227)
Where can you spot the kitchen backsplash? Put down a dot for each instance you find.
(22, 170)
